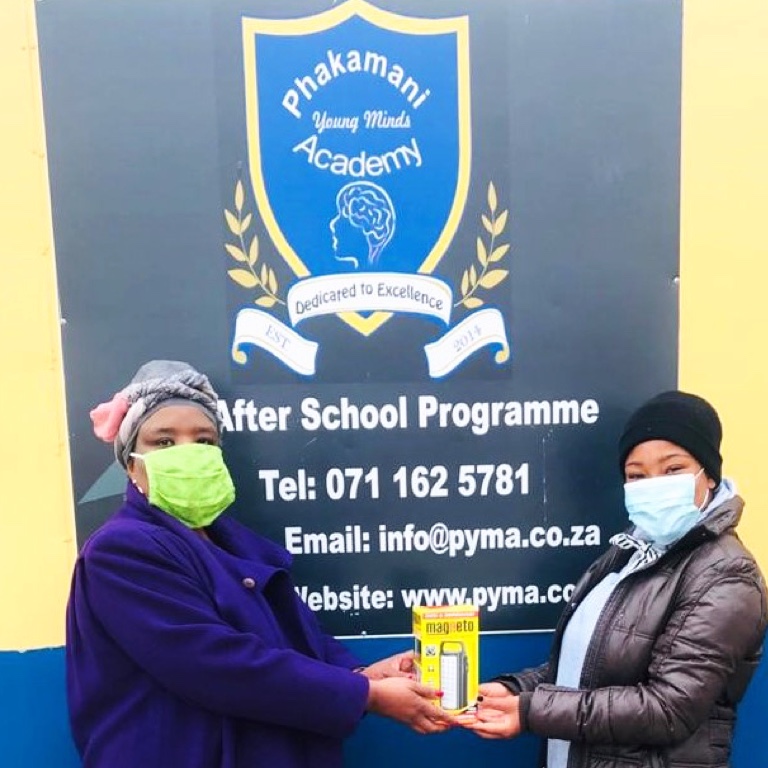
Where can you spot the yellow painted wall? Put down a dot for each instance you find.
(724, 307)
(37, 543)
(724, 237)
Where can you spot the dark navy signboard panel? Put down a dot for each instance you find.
(426, 251)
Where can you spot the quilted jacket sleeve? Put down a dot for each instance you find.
(527, 680)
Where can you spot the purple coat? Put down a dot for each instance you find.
(184, 654)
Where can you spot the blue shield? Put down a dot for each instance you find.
(358, 139)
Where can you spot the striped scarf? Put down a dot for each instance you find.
(645, 553)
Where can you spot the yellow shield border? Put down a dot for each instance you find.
(385, 20)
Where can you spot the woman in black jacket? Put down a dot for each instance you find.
(664, 631)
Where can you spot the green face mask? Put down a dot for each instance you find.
(190, 482)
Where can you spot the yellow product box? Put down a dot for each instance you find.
(446, 654)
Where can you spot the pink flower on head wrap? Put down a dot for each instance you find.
(108, 417)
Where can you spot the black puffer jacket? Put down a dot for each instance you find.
(671, 656)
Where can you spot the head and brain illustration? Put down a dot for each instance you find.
(363, 225)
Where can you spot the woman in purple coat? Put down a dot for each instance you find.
(187, 646)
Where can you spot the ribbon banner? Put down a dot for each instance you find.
(480, 329)
(366, 292)
(253, 326)
(375, 291)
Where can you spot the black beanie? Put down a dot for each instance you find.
(685, 420)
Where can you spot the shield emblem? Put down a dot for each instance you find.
(359, 146)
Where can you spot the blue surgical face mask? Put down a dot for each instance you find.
(664, 507)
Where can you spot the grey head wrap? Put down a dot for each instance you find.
(157, 384)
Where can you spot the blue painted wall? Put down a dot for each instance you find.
(34, 732)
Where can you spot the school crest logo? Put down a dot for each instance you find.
(359, 158)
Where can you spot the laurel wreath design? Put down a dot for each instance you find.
(247, 277)
(487, 277)
(482, 275)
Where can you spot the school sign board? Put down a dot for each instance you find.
(426, 251)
